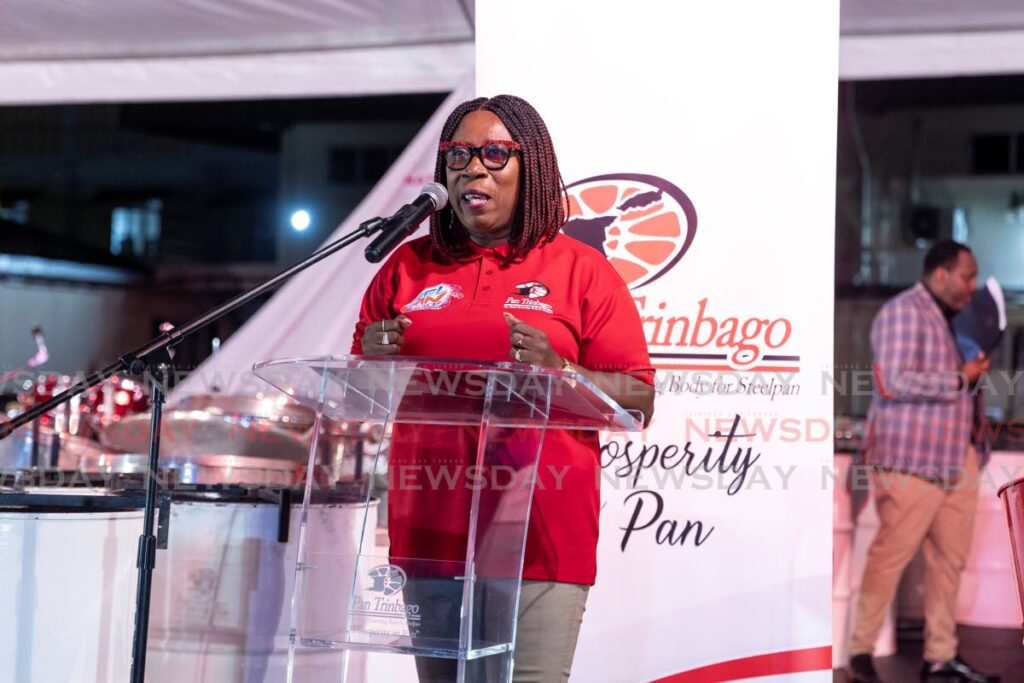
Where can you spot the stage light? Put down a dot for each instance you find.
(300, 220)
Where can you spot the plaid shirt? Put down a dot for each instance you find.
(920, 421)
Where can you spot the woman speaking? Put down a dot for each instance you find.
(459, 293)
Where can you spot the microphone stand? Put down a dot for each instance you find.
(153, 359)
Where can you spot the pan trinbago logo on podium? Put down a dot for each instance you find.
(644, 225)
(434, 298)
(388, 580)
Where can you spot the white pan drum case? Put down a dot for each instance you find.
(67, 565)
(221, 589)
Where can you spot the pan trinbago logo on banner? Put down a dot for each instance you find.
(644, 225)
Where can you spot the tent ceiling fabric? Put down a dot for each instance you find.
(56, 51)
(874, 17)
(90, 29)
(888, 39)
(79, 51)
(283, 75)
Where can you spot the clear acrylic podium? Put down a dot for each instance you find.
(461, 449)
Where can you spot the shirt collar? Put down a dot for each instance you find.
(947, 311)
(475, 252)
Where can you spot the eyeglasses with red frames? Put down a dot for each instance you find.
(493, 154)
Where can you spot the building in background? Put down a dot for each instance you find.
(922, 160)
(115, 218)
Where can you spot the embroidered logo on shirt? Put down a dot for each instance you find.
(534, 290)
(526, 298)
(434, 298)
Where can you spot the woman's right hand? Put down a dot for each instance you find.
(385, 337)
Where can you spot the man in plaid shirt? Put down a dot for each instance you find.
(926, 450)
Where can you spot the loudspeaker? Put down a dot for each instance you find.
(929, 223)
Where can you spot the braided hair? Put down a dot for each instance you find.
(542, 201)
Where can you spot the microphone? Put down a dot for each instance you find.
(433, 197)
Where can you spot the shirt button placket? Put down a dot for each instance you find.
(485, 289)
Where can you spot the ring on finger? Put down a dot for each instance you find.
(519, 343)
(384, 338)
(519, 355)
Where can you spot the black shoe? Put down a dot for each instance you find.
(862, 670)
(955, 669)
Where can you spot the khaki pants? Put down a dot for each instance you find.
(915, 513)
(550, 615)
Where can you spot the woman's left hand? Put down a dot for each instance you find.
(530, 345)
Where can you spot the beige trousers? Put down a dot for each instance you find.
(550, 615)
(915, 513)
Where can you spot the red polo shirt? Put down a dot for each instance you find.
(568, 290)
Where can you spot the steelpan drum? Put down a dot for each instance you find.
(200, 432)
(199, 469)
(16, 451)
(276, 410)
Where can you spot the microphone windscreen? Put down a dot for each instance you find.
(437, 193)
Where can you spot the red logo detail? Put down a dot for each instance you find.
(533, 290)
(433, 298)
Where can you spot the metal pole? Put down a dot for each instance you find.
(146, 560)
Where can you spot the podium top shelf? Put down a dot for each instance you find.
(446, 391)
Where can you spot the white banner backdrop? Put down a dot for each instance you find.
(698, 141)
